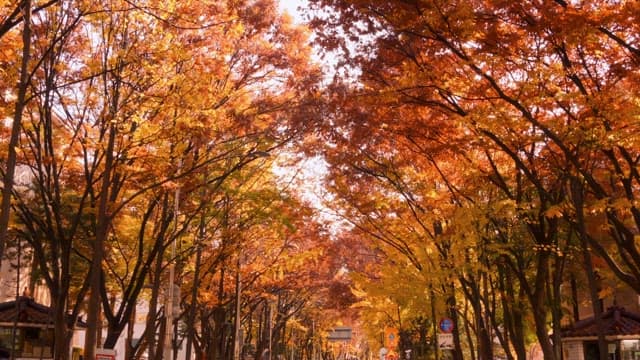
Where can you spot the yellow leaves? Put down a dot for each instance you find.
(552, 248)
(235, 31)
(358, 293)
(555, 211)
(599, 206)
(621, 205)
(606, 292)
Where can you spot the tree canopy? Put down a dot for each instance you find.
(482, 157)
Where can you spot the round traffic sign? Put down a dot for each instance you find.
(446, 325)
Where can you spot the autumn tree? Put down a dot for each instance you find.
(260, 247)
(12, 15)
(129, 101)
(525, 87)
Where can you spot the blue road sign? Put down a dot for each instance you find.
(446, 325)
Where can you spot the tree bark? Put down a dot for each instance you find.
(94, 308)
(512, 311)
(194, 293)
(152, 316)
(577, 196)
(12, 156)
(540, 310)
(453, 313)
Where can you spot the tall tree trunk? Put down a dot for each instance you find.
(152, 315)
(434, 322)
(102, 228)
(577, 192)
(62, 332)
(12, 156)
(194, 293)
(555, 304)
(540, 310)
(128, 344)
(472, 292)
(474, 349)
(159, 345)
(453, 313)
(511, 309)
(219, 317)
(574, 298)
(267, 335)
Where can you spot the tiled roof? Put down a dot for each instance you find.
(27, 311)
(616, 321)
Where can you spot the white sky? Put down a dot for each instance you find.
(312, 171)
(291, 6)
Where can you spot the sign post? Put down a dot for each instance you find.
(445, 341)
(105, 354)
(445, 337)
(446, 325)
(391, 338)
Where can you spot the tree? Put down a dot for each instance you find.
(524, 87)
(10, 17)
(129, 103)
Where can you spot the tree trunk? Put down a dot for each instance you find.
(219, 316)
(577, 197)
(574, 299)
(540, 310)
(484, 343)
(62, 332)
(555, 304)
(474, 349)
(152, 315)
(128, 345)
(434, 322)
(453, 313)
(102, 228)
(159, 345)
(511, 309)
(194, 294)
(12, 156)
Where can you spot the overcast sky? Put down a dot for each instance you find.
(291, 6)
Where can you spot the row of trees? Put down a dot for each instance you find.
(141, 154)
(485, 154)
